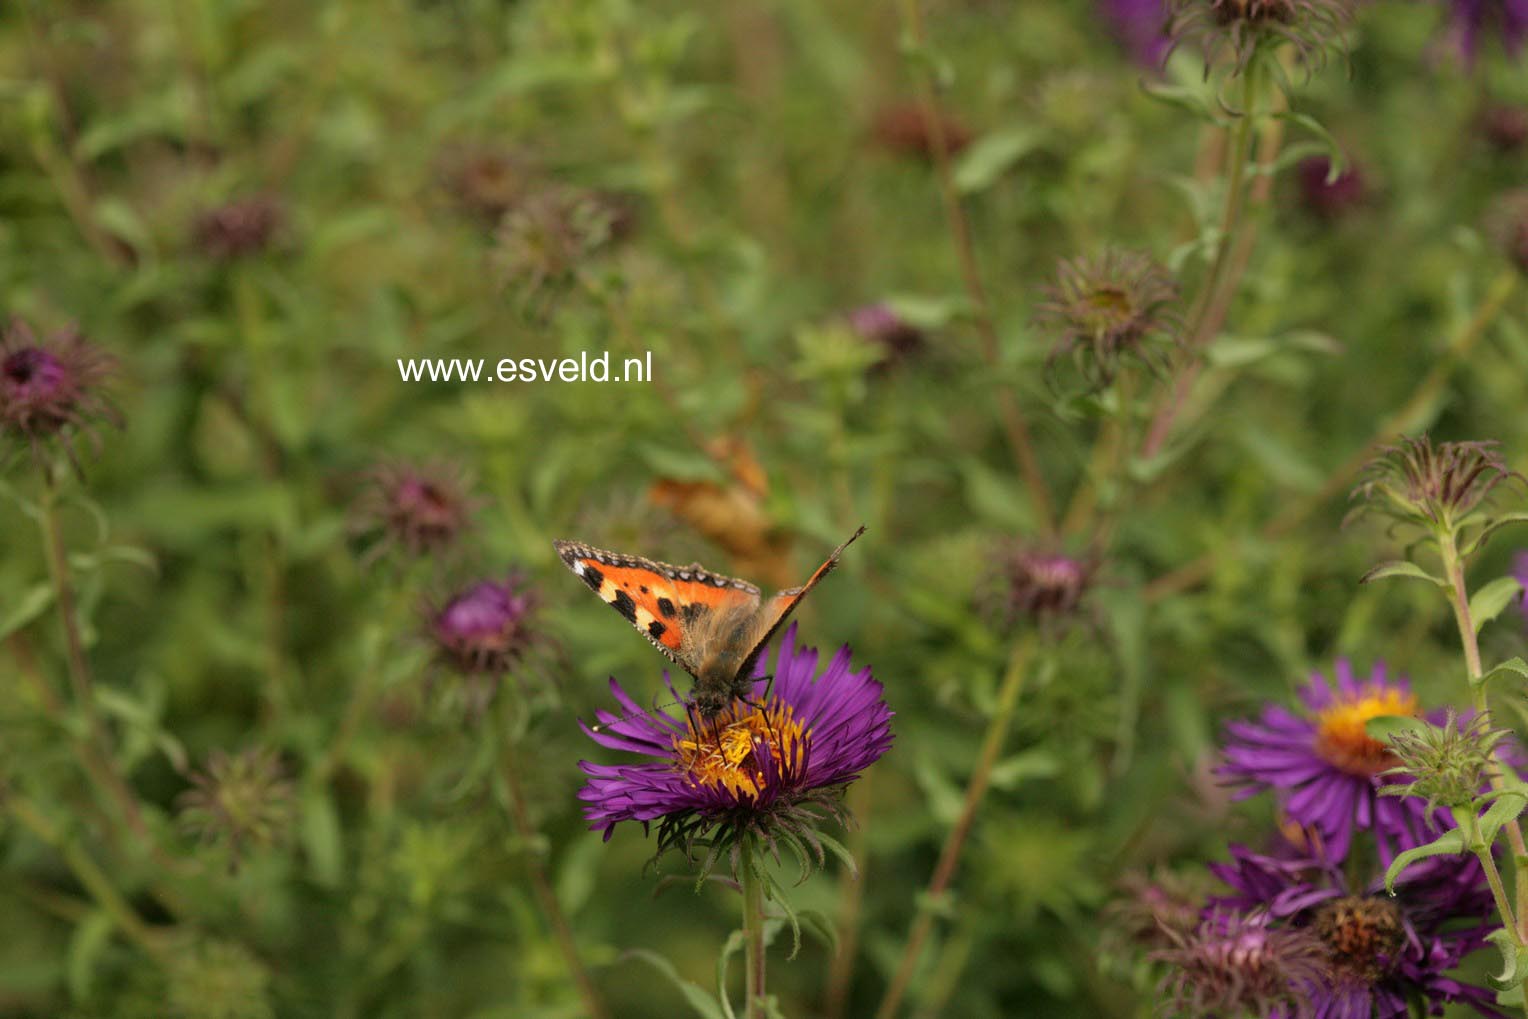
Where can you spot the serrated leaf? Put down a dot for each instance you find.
(699, 999)
(1486, 604)
(1399, 568)
(1450, 843)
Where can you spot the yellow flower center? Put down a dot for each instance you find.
(1341, 738)
(725, 750)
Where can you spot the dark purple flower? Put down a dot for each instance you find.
(803, 737)
(1505, 126)
(242, 227)
(1325, 197)
(422, 508)
(880, 325)
(50, 388)
(1033, 585)
(1324, 765)
(1382, 952)
(1474, 18)
(1140, 26)
(1235, 964)
(485, 629)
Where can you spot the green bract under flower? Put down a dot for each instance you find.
(1235, 30)
(1106, 308)
(1441, 489)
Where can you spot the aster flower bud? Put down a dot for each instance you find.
(1440, 489)
(240, 803)
(239, 228)
(1236, 30)
(486, 628)
(487, 182)
(878, 324)
(1104, 309)
(545, 238)
(1448, 764)
(1038, 587)
(420, 508)
(1241, 965)
(51, 389)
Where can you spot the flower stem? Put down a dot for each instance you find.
(94, 746)
(1459, 600)
(594, 1005)
(1219, 284)
(960, 229)
(753, 932)
(949, 856)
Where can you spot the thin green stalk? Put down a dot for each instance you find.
(1459, 601)
(753, 932)
(949, 856)
(1011, 416)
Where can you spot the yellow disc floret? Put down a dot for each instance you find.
(725, 750)
(1341, 737)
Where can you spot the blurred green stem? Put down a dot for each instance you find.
(1219, 284)
(851, 903)
(753, 930)
(960, 231)
(949, 856)
(1459, 601)
(94, 747)
(86, 871)
(551, 909)
(1404, 417)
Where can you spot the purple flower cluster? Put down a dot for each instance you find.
(802, 732)
(1307, 928)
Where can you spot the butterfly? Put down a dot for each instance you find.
(712, 626)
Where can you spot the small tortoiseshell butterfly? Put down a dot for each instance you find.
(712, 626)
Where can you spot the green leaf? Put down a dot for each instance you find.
(1507, 808)
(321, 838)
(33, 603)
(1514, 958)
(698, 997)
(1495, 524)
(1384, 727)
(983, 163)
(1511, 667)
(1486, 604)
(732, 946)
(1399, 568)
(1450, 843)
(86, 944)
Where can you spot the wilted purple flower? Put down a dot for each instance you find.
(1140, 26)
(1037, 586)
(1381, 952)
(1103, 309)
(488, 181)
(486, 629)
(421, 508)
(1324, 196)
(1235, 964)
(759, 767)
(1324, 765)
(1473, 19)
(1236, 29)
(1435, 487)
(880, 325)
(238, 228)
(50, 389)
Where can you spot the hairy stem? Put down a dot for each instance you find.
(960, 229)
(1459, 601)
(949, 856)
(753, 932)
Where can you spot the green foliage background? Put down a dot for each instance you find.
(228, 603)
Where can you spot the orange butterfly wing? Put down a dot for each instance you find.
(660, 600)
(778, 609)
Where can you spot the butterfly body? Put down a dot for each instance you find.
(713, 626)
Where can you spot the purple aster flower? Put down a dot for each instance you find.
(51, 389)
(1475, 18)
(1382, 952)
(1034, 585)
(421, 508)
(1140, 26)
(777, 761)
(486, 627)
(1325, 766)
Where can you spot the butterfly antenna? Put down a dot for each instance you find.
(603, 726)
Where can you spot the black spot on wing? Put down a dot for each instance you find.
(656, 628)
(625, 606)
(693, 611)
(594, 578)
(666, 607)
